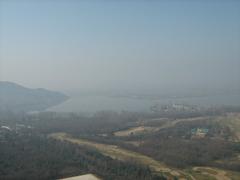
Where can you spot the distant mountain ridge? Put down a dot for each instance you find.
(14, 97)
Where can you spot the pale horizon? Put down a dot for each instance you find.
(71, 45)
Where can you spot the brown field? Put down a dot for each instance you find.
(122, 154)
(232, 120)
(166, 123)
(214, 173)
(134, 143)
(196, 173)
(135, 131)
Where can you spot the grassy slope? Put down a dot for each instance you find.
(198, 173)
(122, 154)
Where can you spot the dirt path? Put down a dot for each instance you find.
(172, 123)
(216, 173)
(148, 129)
(123, 154)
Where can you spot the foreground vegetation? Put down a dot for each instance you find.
(203, 144)
(32, 156)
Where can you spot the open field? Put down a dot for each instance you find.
(212, 172)
(232, 120)
(196, 173)
(144, 129)
(122, 154)
(135, 131)
(209, 173)
(172, 123)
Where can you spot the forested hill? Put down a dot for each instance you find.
(17, 98)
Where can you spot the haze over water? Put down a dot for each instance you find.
(134, 45)
(94, 103)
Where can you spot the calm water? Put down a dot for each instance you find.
(93, 103)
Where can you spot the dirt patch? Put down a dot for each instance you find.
(134, 143)
(232, 120)
(116, 152)
(135, 131)
(213, 172)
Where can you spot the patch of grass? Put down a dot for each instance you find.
(232, 120)
(199, 176)
(116, 152)
(210, 171)
(233, 175)
(135, 131)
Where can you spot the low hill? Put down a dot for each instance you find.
(17, 98)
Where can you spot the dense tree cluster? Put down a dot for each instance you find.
(34, 156)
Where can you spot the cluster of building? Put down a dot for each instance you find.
(174, 108)
(18, 129)
(199, 132)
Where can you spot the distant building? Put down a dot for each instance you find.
(6, 127)
(199, 132)
(173, 108)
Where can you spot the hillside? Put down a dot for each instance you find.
(17, 98)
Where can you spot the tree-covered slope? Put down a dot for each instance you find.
(18, 98)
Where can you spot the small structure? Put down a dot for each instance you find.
(199, 132)
(83, 177)
(6, 127)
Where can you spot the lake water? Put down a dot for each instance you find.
(93, 103)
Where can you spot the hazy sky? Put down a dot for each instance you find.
(129, 44)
